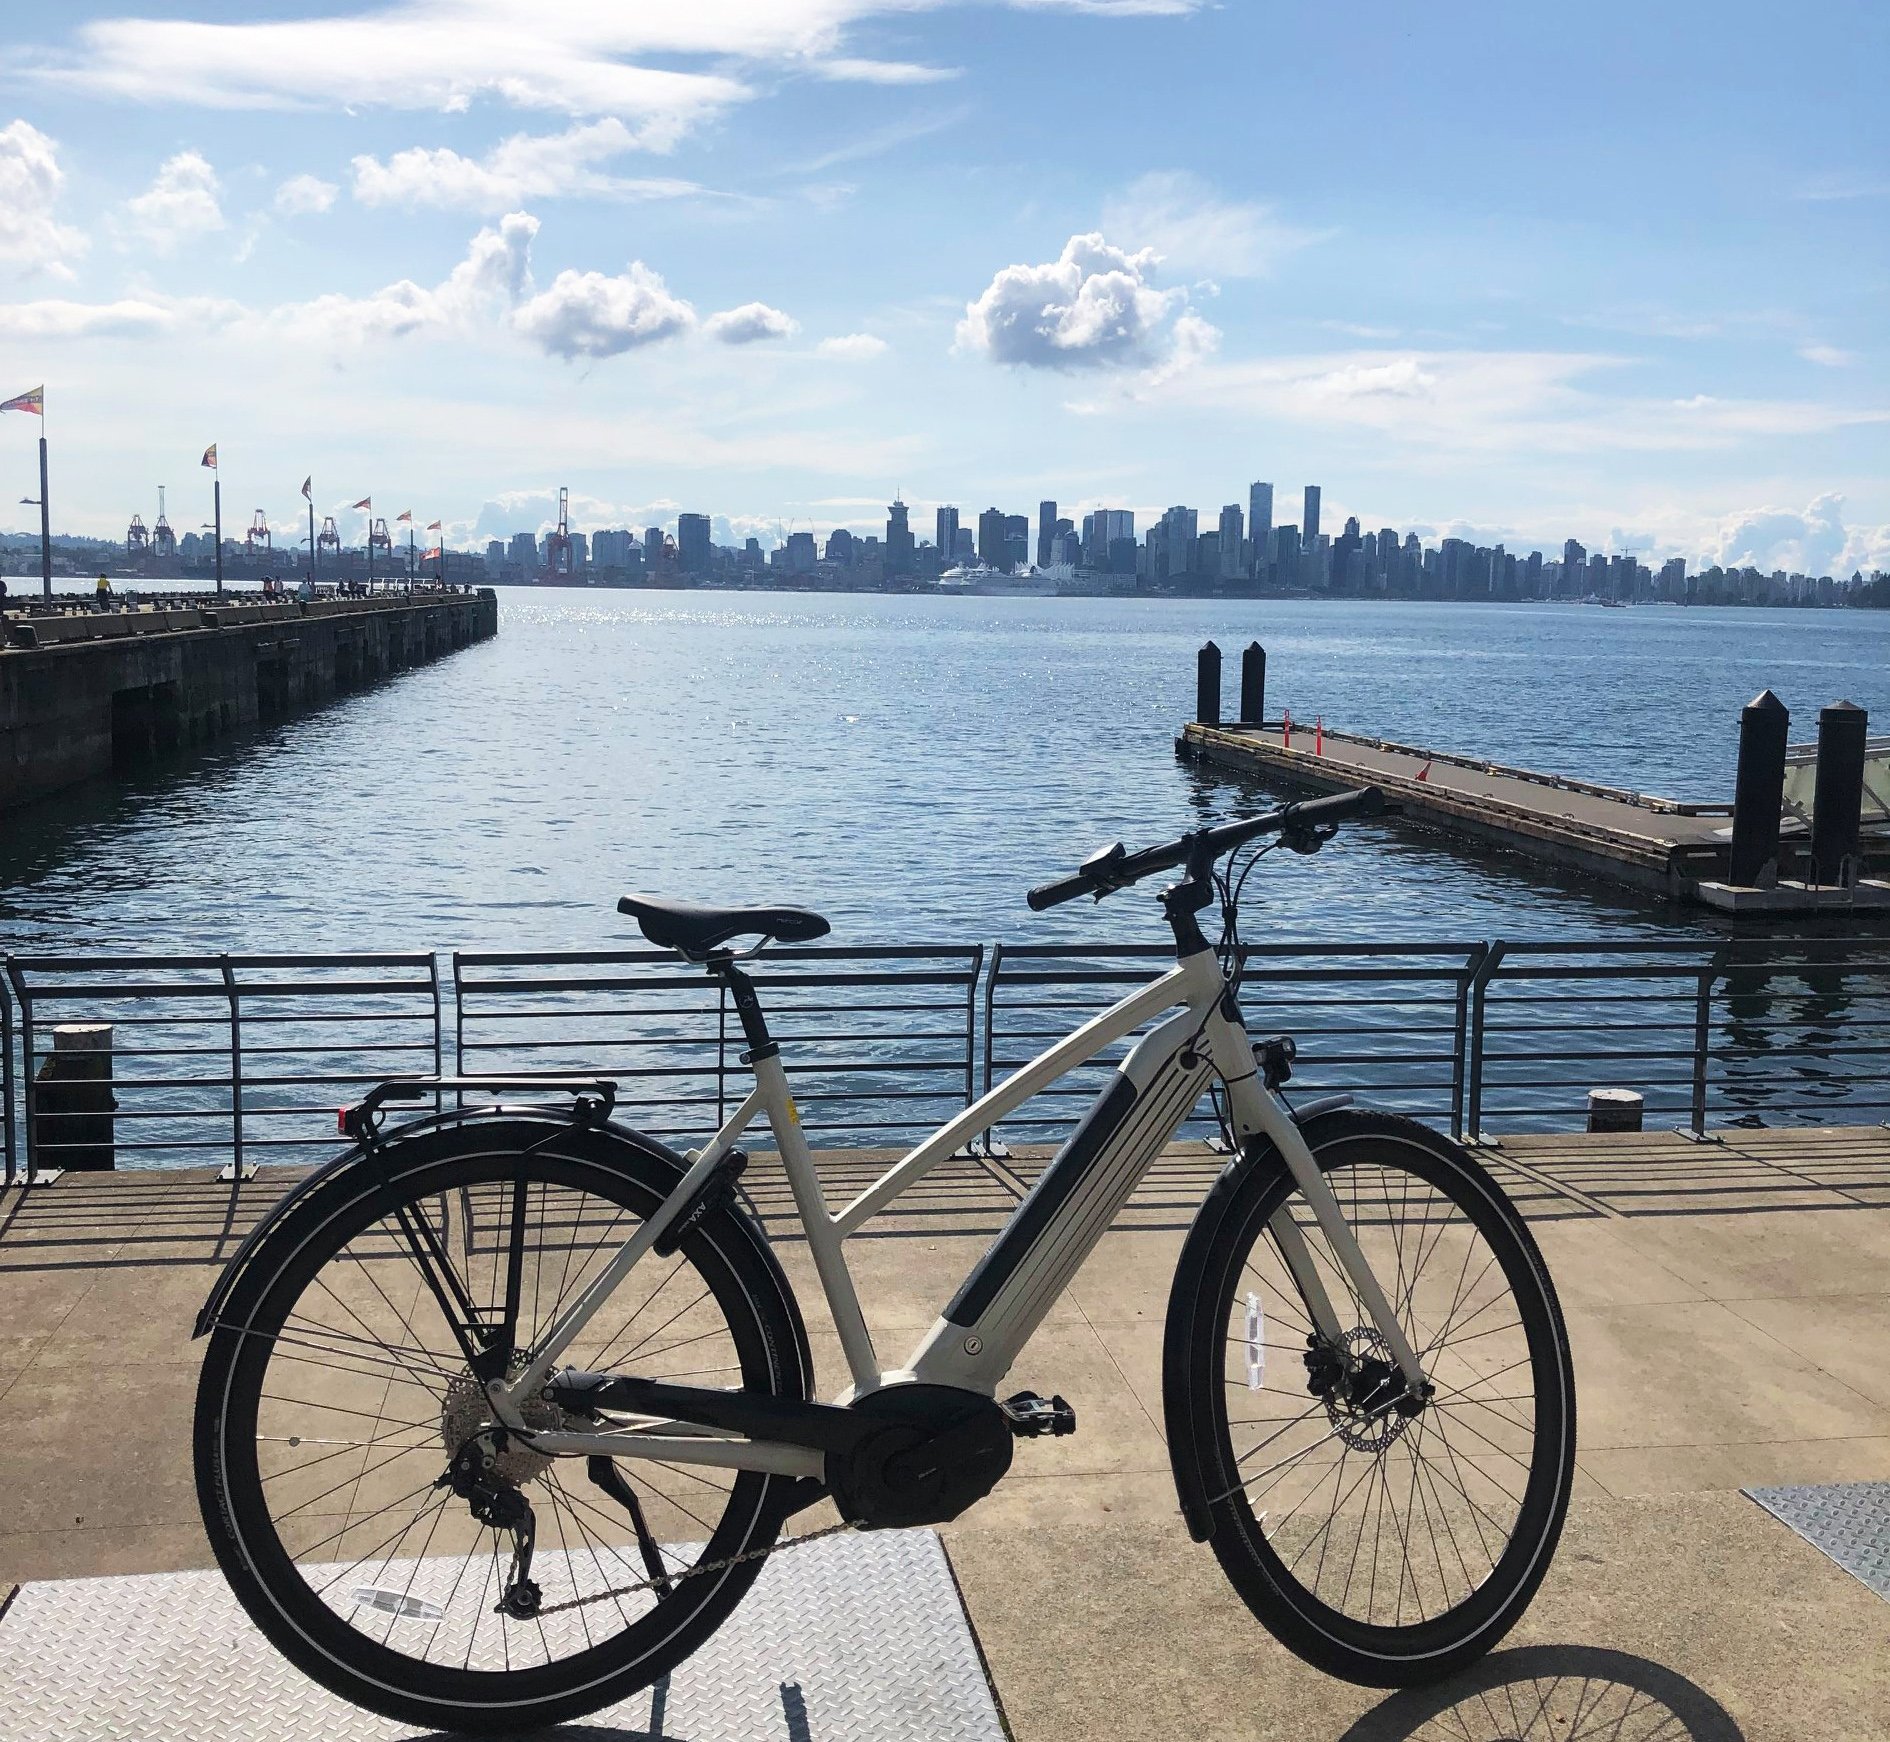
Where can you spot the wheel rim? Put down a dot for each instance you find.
(353, 1391)
(1380, 1513)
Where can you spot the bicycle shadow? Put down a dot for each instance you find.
(793, 1716)
(1547, 1693)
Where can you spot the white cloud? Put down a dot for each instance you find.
(1093, 306)
(1192, 230)
(493, 277)
(1827, 356)
(752, 321)
(880, 72)
(526, 166)
(587, 314)
(179, 206)
(1811, 540)
(853, 347)
(30, 183)
(302, 194)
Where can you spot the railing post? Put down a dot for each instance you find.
(29, 1095)
(439, 1037)
(993, 1143)
(1702, 1041)
(6, 1080)
(237, 1170)
(721, 1052)
(1460, 1035)
(1479, 982)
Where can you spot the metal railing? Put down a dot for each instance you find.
(877, 1041)
(223, 1060)
(232, 1060)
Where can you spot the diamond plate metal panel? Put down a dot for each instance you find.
(861, 1637)
(1849, 1521)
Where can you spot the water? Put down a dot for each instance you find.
(909, 766)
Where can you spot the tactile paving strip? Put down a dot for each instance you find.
(1849, 1521)
(862, 1637)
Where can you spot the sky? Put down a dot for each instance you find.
(1615, 271)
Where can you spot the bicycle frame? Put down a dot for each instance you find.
(981, 1331)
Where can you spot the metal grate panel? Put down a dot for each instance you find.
(861, 1636)
(1849, 1521)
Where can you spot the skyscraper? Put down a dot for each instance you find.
(1230, 566)
(692, 543)
(898, 540)
(1309, 521)
(1046, 532)
(991, 538)
(946, 536)
(1259, 529)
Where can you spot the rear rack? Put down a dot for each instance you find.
(593, 1098)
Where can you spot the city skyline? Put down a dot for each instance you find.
(796, 257)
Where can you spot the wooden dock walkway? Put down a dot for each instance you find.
(1661, 845)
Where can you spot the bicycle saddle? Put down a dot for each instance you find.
(695, 930)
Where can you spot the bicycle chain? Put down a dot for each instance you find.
(735, 1560)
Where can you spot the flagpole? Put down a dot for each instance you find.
(45, 526)
(410, 559)
(370, 544)
(216, 497)
(311, 541)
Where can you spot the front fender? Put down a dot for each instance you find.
(360, 1155)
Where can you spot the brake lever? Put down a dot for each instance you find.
(1309, 838)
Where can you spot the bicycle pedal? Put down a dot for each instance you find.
(1031, 1416)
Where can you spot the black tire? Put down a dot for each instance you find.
(281, 1354)
(1493, 1468)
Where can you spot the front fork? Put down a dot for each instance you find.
(1256, 1113)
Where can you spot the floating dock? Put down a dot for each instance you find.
(1664, 846)
(84, 691)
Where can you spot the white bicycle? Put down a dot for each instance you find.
(502, 1410)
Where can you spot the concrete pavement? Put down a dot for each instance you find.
(1728, 1304)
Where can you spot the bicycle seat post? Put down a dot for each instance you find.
(747, 1006)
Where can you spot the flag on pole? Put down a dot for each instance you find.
(366, 502)
(210, 457)
(398, 518)
(35, 402)
(308, 486)
(433, 526)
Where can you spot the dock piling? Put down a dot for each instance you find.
(1758, 792)
(1207, 685)
(1837, 801)
(1253, 685)
(73, 1099)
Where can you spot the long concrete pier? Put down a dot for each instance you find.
(1665, 846)
(85, 691)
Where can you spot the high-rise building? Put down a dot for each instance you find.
(495, 550)
(899, 544)
(801, 555)
(991, 538)
(610, 550)
(1016, 540)
(1046, 531)
(946, 537)
(1230, 566)
(1260, 524)
(964, 546)
(692, 543)
(523, 550)
(1309, 521)
(656, 546)
(840, 547)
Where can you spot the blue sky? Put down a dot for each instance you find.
(1611, 271)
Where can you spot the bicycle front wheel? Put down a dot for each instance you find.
(336, 1392)
(1386, 1539)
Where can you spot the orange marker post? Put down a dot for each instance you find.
(1319, 735)
(1286, 729)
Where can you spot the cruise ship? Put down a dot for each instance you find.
(975, 580)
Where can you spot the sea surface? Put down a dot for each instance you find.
(908, 766)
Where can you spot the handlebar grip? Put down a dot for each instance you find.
(1367, 802)
(1052, 894)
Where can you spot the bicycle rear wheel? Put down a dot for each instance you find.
(1384, 1540)
(335, 1393)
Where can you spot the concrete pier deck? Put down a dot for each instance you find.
(1667, 847)
(1728, 1305)
(84, 690)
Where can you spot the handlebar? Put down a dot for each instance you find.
(1113, 868)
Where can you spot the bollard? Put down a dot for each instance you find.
(1759, 792)
(1286, 728)
(1614, 1110)
(1207, 685)
(1837, 799)
(73, 1100)
(1253, 685)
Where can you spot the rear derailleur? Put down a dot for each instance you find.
(496, 1502)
